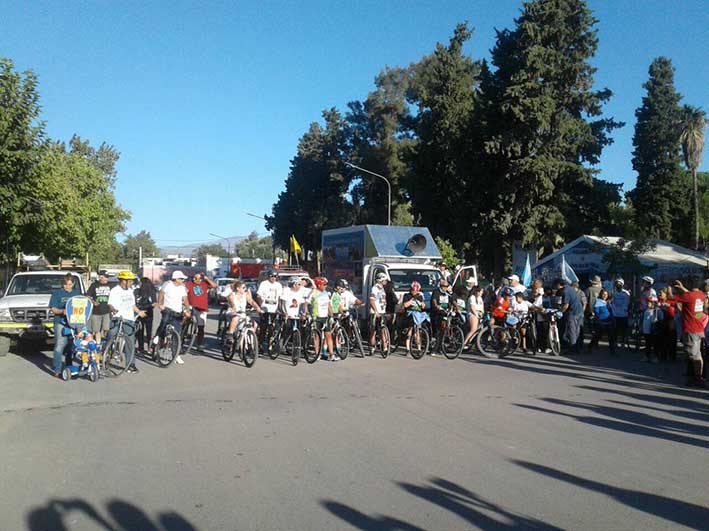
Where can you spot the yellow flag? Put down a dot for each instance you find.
(295, 246)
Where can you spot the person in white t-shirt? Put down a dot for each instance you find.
(121, 303)
(520, 308)
(476, 310)
(377, 304)
(268, 295)
(292, 300)
(174, 305)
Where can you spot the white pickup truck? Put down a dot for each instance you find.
(24, 308)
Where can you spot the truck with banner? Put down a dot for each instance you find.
(359, 252)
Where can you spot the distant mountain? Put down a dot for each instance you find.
(188, 248)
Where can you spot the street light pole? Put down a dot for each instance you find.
(381, 177)
(273, 243)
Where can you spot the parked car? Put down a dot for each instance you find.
(24, 308)
(216, 295)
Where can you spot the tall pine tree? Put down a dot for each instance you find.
(661, 197)
(544, 126)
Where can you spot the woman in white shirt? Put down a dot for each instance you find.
(476, 309)
(238, 299)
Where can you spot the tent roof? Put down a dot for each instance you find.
(663, 253)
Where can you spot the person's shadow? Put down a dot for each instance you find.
(123, 516)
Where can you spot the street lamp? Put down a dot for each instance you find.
(381, 177)
(273, 242)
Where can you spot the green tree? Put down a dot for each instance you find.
(442, 176)
(315, 195)
(77, 212)
(544, 127)
(215, 249)
(694, 121)
(21, 143)
(133, 243)
(376, 131)
(450, 257)
(255, 247)
(661, 201)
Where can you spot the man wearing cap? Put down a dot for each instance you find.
(516, 285)
(100, 320)
(173, 301)
(620, 303)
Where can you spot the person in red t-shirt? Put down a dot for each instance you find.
(692, 300)
(502, 305)
(197, 295)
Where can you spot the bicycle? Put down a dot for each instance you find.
(169, 343)
(420, 340)
(340, 339)
(312, 339)
(554, 338)
(113, 359)
(634, 339)
(382, 340)
(482, 324)
(291, 340)
(222, 322)
(453, 336)
(243, 340)
(273, 335)
(188, 333)
(350, 323)
(499, 340)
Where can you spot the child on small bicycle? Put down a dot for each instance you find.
(520, 308)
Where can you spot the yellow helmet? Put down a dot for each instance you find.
(126, 275)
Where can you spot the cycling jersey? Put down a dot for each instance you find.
(270, 293)
(379, 296)
(320, 301)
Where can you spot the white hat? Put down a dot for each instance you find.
(178, 274)
(620, 281)
(513, 277)
(470, 280)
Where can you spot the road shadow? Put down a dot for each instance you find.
(58, 513)
(40, 357)
(675, 511)
(477, 511)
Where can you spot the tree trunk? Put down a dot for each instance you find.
(696, 209)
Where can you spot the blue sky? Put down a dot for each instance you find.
(206, 100)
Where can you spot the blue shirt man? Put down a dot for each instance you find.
(57, 304)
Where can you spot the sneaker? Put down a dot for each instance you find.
(336, 358)
(547, 351)
(179, 360)
(132, 369)
(434, 354)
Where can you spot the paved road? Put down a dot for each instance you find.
(396, 444)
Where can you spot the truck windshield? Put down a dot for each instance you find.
(402, 278)
(38, 284)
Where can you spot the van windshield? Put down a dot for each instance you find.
(38, 284)
(402, 278)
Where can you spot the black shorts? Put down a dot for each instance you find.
(323, 324)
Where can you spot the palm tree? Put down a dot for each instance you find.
(694, 120)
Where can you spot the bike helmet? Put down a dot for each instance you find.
(652, 299)
(293, 281)
(381, 277)
(272, 273)
(415, 286)
(125, 275)
(649, 280)
(507, 292)
(342, 283)
(320, 282)
(620, 281)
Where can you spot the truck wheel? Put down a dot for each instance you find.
(4, 345)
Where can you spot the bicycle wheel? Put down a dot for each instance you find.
(228, 345)
(293, 346)
(420, 342)
(486, 343)
(274, 342)
(115, 362)
(313, 342)
(358, 337)
(453, 339)
(511, 343)
(167, 350)
(384, 342)
(188, 335)
(249, 347)
(342, 343)
(554, 340)
(222, 321)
